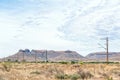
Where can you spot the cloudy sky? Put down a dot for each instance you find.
(59, 25)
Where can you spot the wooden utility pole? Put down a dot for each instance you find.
(46, 57)
(106, 48)
(35, 57)
(17, 57)
(23, 57)
(36, 60)
(107, 53)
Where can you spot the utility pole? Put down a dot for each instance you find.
(107, 49)
(23, 57)
(46, 57)
(35, 57)
(107, 44)
(36, 60)
(17, 57)
(4, 59)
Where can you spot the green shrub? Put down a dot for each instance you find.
(81, 62)
(61, 76)
(73, 62)
(74, 77)
(35, 72)
(63, 62)
(9, 60)
(16, 60)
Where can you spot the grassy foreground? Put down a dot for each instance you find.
(58, 71)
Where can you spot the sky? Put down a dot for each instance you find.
(78, 25)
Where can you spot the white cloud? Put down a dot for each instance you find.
(58, 24)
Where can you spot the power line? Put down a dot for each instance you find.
(106, 48)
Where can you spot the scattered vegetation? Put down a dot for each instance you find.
(63, 62)
(7, 66)
(61, 76)
(59, 71)
(84, 74)
(35, 72)
(74, 77)
(74, 62)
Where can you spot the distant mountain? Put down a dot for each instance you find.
(40, 55)
(101, 56)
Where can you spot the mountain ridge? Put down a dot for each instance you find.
(101, 56)
(40, 55)
(56, 56)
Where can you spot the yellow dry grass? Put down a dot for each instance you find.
(47, 71)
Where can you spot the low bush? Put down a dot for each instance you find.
(35, 72)
(63, 62)
(7, 66)
(84, 74)
(73, 62)
(74, 77)
(61, 76)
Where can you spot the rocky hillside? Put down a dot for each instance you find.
(101, 56)
(40, 55)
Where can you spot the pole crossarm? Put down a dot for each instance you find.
(106, 48)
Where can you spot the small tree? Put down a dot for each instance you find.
(9, 60)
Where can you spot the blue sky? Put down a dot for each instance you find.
(59, 25)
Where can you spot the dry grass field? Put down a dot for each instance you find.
(58, 71)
